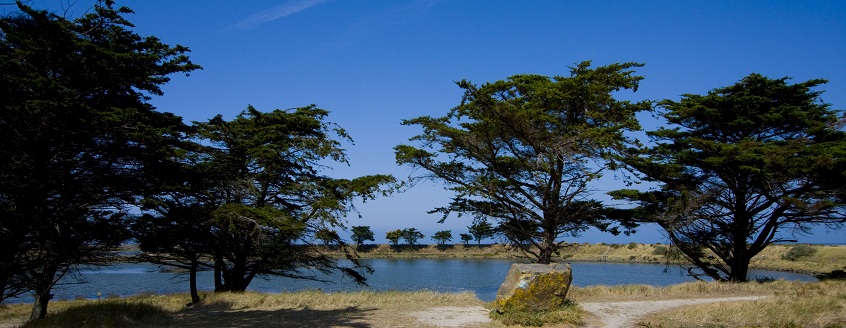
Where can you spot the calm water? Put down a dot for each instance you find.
(448, 275)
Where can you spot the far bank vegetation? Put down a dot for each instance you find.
(811, 259)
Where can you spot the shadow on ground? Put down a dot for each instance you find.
(352, 316)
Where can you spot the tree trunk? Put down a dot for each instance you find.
(739, 269)
(218, 272)
(39, 305)
(42, 296)
(192, 281)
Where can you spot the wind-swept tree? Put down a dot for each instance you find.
(411, 236)
(525, 150)
(275, 199)
(442, 237)
(740, 168)
(77, 138)
(466, 238)
(360, 234)
(394, 236)
(481, 229)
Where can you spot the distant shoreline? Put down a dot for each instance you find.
(827, 258)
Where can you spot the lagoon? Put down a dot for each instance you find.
(444, 275)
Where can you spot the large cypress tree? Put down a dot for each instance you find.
(76, 138)
(740, 168)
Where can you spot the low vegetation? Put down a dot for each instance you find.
(247, 309)
(810, 259)
(810, 305)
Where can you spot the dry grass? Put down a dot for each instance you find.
(789, 304)
(680, 291)
(249, 309)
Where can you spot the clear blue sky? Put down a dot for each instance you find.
(374, 63)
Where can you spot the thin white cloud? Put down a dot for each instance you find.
(283, 10)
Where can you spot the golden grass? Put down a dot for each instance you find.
(679, 291)
(249, 309)
(788, 304)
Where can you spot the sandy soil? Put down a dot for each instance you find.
(611, 314)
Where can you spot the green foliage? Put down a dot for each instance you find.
(394, 236)
(79, 141)
(442, 237)
(466, 238)
(411, 236)
(799, 251)
(632, 245)
(268, 197)
(524, 150)
(481, 229)
(360, 234)
(739, 165)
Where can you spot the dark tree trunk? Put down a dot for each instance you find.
(545, 255)
(739, 269)
(218, 272)
(192, 280)
(42, 296)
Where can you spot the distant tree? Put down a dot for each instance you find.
(360, 234)
(740, 166)
(442, 237)
(77, 138)
(466, 238)
(411, 236)
(394, 236)
(525, 150)
(481, 229)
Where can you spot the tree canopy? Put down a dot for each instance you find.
(481, 229)
(741, 168)
(265, 199)
(442, 237)
(360, 234)
(525, 150)
(77, 138)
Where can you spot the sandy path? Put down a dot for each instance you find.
(622, 314)
(611, 314)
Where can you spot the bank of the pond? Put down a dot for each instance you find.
(481, 277)
(823, 259)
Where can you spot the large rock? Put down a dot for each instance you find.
(534, 287)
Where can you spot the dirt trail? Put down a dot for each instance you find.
(622, 314)
(611, 314)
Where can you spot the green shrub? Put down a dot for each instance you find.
(660, 250)
(798, 252)
(632, 245)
